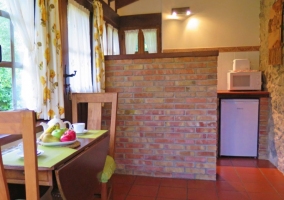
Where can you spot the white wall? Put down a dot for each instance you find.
(218, 23)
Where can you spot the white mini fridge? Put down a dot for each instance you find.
(239, 127)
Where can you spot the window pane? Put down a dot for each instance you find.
(5, 88)
(5, 39)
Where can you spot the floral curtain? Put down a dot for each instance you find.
(104, 38)
(48, 41)
(98, 52)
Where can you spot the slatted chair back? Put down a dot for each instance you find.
(21, 122)
(94, 119)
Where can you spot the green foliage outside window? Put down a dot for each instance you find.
(6, 89)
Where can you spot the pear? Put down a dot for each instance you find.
(49, 138)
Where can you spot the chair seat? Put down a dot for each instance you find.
(109, 169)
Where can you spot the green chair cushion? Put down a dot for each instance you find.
(109, 169)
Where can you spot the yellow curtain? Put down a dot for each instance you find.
(49, 60)
(98, 52)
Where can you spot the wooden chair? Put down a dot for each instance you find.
(21, 122)
(94, 122)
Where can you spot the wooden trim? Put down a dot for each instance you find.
(220, 49)
(163, 55)
(242, 94)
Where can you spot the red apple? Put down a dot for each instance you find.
(68, 135)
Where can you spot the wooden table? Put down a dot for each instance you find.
(76, 175)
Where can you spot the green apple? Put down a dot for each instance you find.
(58, 132)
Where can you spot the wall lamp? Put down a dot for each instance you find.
(181, 11)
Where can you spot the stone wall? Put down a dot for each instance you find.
(274, 83)
(167, 117)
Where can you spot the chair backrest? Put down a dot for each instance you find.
(21, 122)
(94, 118)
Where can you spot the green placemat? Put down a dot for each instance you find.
(49, 158)
(92, 134)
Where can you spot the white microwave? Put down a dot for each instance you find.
(249, 80)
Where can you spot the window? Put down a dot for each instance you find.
(79, 47)
(9, 67)
(110, 40)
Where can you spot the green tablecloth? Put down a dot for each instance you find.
(50, 156)
(92, 134)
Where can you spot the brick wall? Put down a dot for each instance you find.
(167, 117)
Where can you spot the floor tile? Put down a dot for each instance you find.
(224, 162)
(271, 171)
(143, 180)
(251, 178)
(200, 184)
(264, 164)
(118, 197)
(247, 170)
(172, 182)
(237, 179)
(230, 186)
(244, 162)
(279, 188)
(231, 195)
(121, 188)
(143, 190)
(259, 187)
(264, 196)
(172, 193)
(130, 197)
(201, 194)
(120, 178)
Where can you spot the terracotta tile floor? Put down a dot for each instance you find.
(237, 179)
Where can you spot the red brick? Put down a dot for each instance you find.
(134, 78)
(163, 106)
(184, 71)
(154, 112)
(154, 157)
(164, 140)
(144, 84)
(205, 153)
(164, 118)
(133, 67)
(143, 95)
(154, 100)
(174, 89)
(143, 162)
(165, 71)
(154, 135)
(122, 73)
(185, 118)
(154, 78)
(185, 130)
(164, 94)
(133, 89)
(196, 100)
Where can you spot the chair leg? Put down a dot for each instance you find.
(104, 191)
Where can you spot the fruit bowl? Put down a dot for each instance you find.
(56, 143)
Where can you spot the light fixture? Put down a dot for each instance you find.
(181, 11)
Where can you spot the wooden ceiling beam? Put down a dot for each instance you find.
(122, 3)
